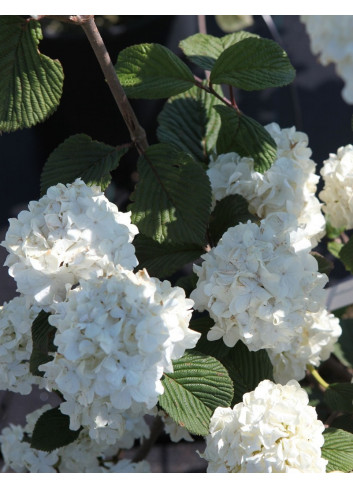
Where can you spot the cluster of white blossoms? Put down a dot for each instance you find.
(83, 455)
(288, 186)
(337, 194)
(273, 430)
(16, 346)
(330, 38)
(73, 232)
(313, 344)
(115, 338)
(258, 284)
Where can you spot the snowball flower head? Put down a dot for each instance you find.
(257, 286)
(330, 38)
(115, 338)
(16, 320)
(313, 344)
(289, 185)
(71, 233)
(337, 195)
(273, 430)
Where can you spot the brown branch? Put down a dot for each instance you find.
(146, 446)
(137, 133)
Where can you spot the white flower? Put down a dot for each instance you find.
(127, 466)
(115, 337)
(16, 320)
(330, 38)
(288, 186)
(18, 455)
(257, 285)
(72, 233)
(272, 430)
(313, 344)
(175, 431)
(337, 195)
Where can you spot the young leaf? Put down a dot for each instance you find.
(228, 212)
(189, 122)
(339, 397)
(204, 49)
(198, 385)
(338, 450)
(163, 259)
(52, 431)
(253, 64)
(246, 137)
(246, 369)
(42, 338)
(346, 255)
(152, 71)
(80, 156)
(172, 198)
(345, 341)
(334, 247)
(30, 83)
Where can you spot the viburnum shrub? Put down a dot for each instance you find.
(109, 317)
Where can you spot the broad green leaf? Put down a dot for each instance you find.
(172, 198)
(198, 385)
(346, 255)
(80, 156)
(344, 422)
(42, 338)
(163, 259)
(228, 212)
(339, 397)
(325, 265)
(253, 64)
(231, 23)
(215, 348)
(245, 136)
(338, 450)
(334, 247)
(189, 122)
(152, 71)
(246, 369)
(345, 341)
(30, 83)
(52, 431)
(204, 49)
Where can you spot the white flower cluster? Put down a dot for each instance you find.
(16, 346)
(175, 431)
(337, 195)
(288, 186)
(330, 38)
(272, 431)
(115, 338)
(313, 344)
(258, 284)
(83, 455)
(72, 233)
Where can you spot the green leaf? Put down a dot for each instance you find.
(80, 156)
(172, 198)
(338, 450)
(163, 259)
(228, 212)
(152, 71)
(325, 265)
(253, 64)
(345, 341)
(188, 283)
(42, 338)
(331, 232)
(204, 49)
(344, 422)
(334, 248)
(189, 122)
(245, 136)
(231, 23)
(339, 397)
(215, 348)
(198, 385)
(346, 255)
(246, 369)
(30, 83)
(52, 431)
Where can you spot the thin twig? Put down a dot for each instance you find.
(148, 443)
(137, 133)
